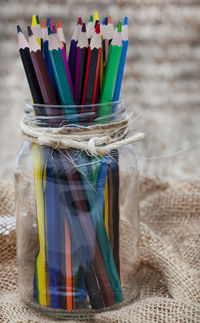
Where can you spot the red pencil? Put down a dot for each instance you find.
(92, 70)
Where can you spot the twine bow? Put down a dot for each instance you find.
(97, 139)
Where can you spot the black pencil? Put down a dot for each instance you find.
(29, 71)
(81, 59)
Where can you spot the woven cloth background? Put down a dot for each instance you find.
(170, 258)
(162, 74)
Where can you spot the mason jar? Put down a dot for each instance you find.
(77, 215)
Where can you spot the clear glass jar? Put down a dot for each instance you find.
(77, 219)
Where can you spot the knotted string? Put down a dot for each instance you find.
(98, 139)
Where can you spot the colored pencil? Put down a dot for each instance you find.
(111, 72)
(65, 177)
(104, 21)
(92, 71)
(39, 30)
(41, 281)
(61, 77)
(43, 32)
(53, 233)
(116, 94)
(88, 227)
(114, 229)
(98, 223)
(49, 98)
(48, 22)
(64, 294)
(81, 58)
(48, 61)
(77, 203)
(61, 33)
(108, 34)
(41, 70)
(29, 70)
(55, 32)
(72, 50)
(89, 236)
(106, 207)
(36, 29)
(90, 28)
(96, 16)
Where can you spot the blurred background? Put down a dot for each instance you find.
(161, 82)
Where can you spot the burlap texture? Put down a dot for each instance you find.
(170, 258)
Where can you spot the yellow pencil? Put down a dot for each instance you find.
(36, 29)
(96, 16)
(42, 280)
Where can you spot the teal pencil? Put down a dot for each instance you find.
(61, 77)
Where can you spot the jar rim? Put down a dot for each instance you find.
(29, 103)
(84, 115)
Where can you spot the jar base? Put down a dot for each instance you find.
(79, 314)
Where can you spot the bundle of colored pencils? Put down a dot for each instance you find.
(77, 207)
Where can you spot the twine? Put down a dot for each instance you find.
(97, 139)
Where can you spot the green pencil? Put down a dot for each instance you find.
(111, 72)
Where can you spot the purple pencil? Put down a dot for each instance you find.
(72, 50)
(81, 59)
(54, 29)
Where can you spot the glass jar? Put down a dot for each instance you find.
(77, 218)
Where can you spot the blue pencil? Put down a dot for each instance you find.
(52, 233)
(101, 178)
(116, 95)
(47, 59)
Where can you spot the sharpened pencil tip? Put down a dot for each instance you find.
(34, 20)
(109, 20)
(83, 29)
(91, 18)
(50, 31)
(125, 22)
(43, 23)
(30, 33)
(97, 29)
(80, 22)
(38, 20)
(96, 16)
(96, 22)
(59, 23)
(104, 21)
(53, 27)
(19, 29)
(119, 27)
(48, 22)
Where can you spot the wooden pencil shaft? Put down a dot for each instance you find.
(32, 79)
(83, 59)
(62, 81)
(102, 238)
(78, 240)
(91, 76)
(88, 230)
(72, 59)
(96, 80)
(48, 65)
(43, 78)
(115, 181)
(111, 214)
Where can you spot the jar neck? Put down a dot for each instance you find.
(74, 115)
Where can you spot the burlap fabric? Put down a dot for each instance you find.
(170, 258)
